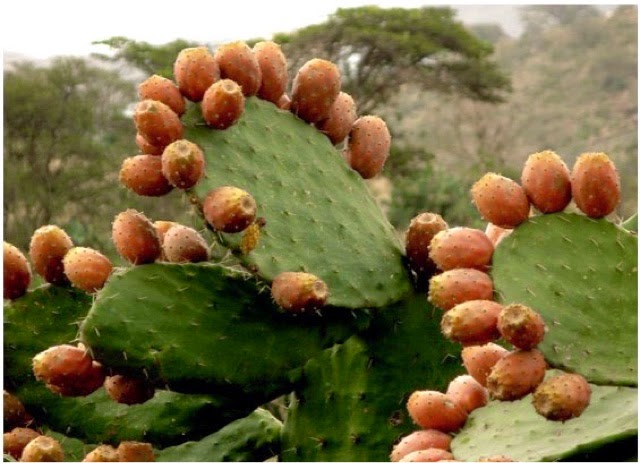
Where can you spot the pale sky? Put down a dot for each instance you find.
(41, 29)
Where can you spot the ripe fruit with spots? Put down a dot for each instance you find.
(315, 87)
(562, 397)
(342, 115)
(17, 439)
(500, 200)
(299, 292)
(521, 326)
(182, 164)
(461, 247)
(14, 413)
(147, 148)
(17, 272)
(43, 448)
(428, 455)
(516, 374)
(184, 244)
(157, 122)
(420, 440)
(162, 89)
(85, 385)
(238, 63)
(368, 146)
(459, 285)
(273, 67)
(223, 104)
(229, 209)
(62, 365)
(467, 392)
(479, 360)
(128, 390)
(102, 453)
(546, 180)
(135, 237)
(435, 410)
(421, 231)
(135, 451)
(142, 174)
(472, 322)
(595, 184)
(86, 268)
(195, 70)
(49, 245)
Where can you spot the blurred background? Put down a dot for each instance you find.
(464, 90)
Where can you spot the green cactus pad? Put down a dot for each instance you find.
(206, 328)
(320, 218)
(631, 224)
(254, 438)
(581, 275)
(516, 430)
(352, 403)
(74, 449)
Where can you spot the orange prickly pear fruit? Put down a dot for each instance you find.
(223, 104)
(229, 209)
(162, 89)
(142, 174)
(500, 200)
(315, 87)
(420, 440)
(135, 237)
(238, 63)
(521, 326)
(459, 285)
(273, 66)
(479, 360)
(195, 70)
(299, 292)
(472, 322)
(595, 184)
(182, 164)
(516, 374)
(49, 245)
(461, 247)
(17, 272)
(342, 115)
(546, 180)
(562, 397)
(157, 122)
(435, 410)
(86, 268)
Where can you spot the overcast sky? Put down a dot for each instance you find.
(41, 29)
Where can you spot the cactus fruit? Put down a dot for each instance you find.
(102, 453)
(86, 268)
(461, 247)
(546, 180)
(17, 439)
(521, 326)
(184, 244)
(85, 385)
(368, 146)
(157, 122)
(299, 292)
(467, 392)
(147, 148)
(162, 89)
(17, 272)
(128, 390)
(421, 231)
(43, 448)
(142, 174)
(516, 374)
(315, 87)
(420, 440)
(595, 184)
(428, 455)
(273, 67)
(14, 414)
(135, 451)
(229, 209)
(238, 63)
(562, 397)
(342, 115)
(62, 365)
(182, 164)
(135, 237)
(479, 360)
(435, 410)
(223, 104)
(48, 246)
(195, 70)
(500, 200)
(472, 322)
(459, 285)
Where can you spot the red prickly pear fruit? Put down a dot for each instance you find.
(546, 180)
(497, 234)
(459, 285)
(142, 174)
(195, 70)
(461, 247)
(299, 292)
(229, 209)
(17, 272)
(368, 146)
(472, 322)
(135, 237)
(43, 448)
(48, 246)
(479, 360)
(184, 244)
(162, 227)
(467, 392)
(85, 385)
(496, 458)
(182, 164)
(223, 104)
(157, 122)
(284, 102)
(102, 453)
(516, 374)
(238, 63)
(17, 439)
(128, 390)
(420, 440)
(273, 66)
(435, 410)
(521, 326)
(62, 365)
(428, 455)
(342, 115)
(315, 87)
(595, 184)
(162, 89)
(421, 231)
(135, 451)
(86, 268)
(500, 200)
(14, 413)
(562, 397)
(146, 147)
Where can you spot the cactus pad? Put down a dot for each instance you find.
(580, 274)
